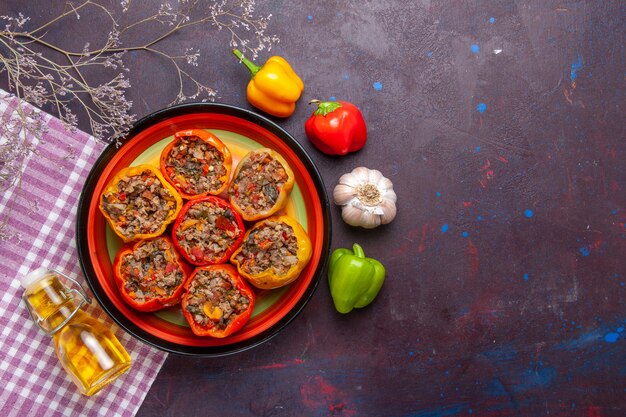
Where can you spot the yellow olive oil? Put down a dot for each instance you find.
(87, 349)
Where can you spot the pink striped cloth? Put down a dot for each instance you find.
(37, 228)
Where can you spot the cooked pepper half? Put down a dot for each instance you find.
(354, 280)
(150, 275)
(217, 301)
(273, 253)
(261, 185)
(274, 87)
(207, 231)
(139, 203)
(196, 163)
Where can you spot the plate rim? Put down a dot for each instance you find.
(86, 197)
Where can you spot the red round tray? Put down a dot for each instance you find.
(241, 131)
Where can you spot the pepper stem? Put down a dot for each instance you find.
(358, 251)
(325, 107)
(252, 67)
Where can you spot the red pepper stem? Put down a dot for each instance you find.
(252, 67)
(358, 251)
(326, 107)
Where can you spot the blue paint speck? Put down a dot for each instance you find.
(465, 234)
(578, 64)
(411, 353)
(438, 194)
(528, 213)
(333, 98)
(475, 48)
(477, 149)
(481, 107)
(611, 337)
(479, 218)
(346, 76)
(309, 18)
(444, 228)
(492, 20)
(620, 329)
(533, 379)
(585, 250)
(378, 86)
(613, 212)
(525, 277)
(429, 54)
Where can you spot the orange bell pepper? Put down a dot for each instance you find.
(200, 166)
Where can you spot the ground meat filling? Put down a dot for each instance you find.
(258, 183)
(139, 205)
(273, 245)
(195, 166)
(151, 271)
(207, 231)
(213, 300)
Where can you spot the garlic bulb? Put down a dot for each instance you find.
(367, 198)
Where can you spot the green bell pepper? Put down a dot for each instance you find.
(354, 280)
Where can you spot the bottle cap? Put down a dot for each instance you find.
(34, 276)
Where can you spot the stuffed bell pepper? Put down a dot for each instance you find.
(196, 163)
(261, 185)
(150, 275)
(138, 203)
(273, 253)
(207, 231)
(217, 301)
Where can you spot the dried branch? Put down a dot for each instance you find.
(52, 76)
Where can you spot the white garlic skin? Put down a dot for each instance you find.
(367, 198)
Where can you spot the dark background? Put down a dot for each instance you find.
(501, 125)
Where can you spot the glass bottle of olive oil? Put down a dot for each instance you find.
(87, 349)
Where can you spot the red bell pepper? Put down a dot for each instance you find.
(336, 127)
(179, 170)
(203, 224)
(217, 301)
(149, 280)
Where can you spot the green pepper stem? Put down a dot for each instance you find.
(325, 107)
(252, 67)
(358, 251)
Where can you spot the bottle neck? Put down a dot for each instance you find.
(50, 304)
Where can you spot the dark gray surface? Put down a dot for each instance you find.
(505, 284)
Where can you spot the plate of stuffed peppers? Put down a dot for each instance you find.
(206, 231)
